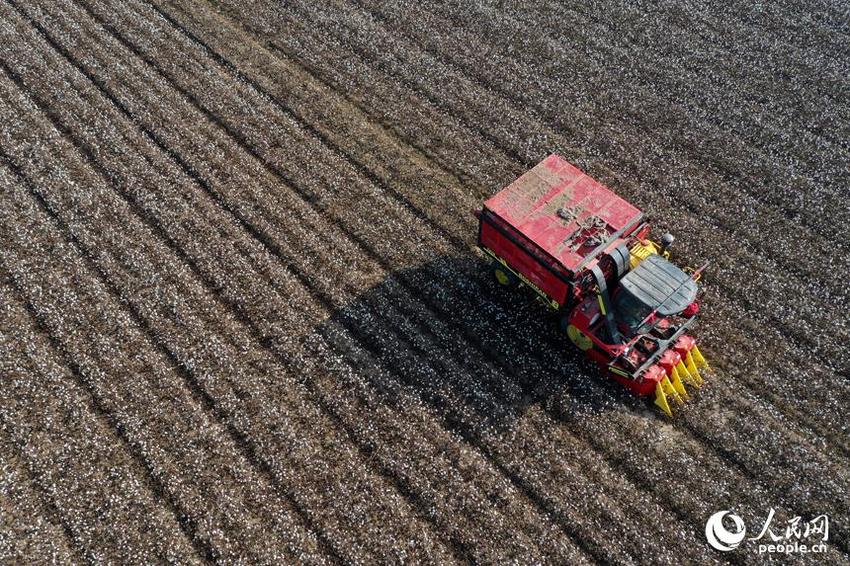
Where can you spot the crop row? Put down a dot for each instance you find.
(722, 83)
(183, 472)
(462, 97)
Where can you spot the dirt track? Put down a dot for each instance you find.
(243, 319)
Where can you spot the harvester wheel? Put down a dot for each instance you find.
(504, 276)
(579, 338)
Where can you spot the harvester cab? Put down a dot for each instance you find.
(586, 252)
(653, 290)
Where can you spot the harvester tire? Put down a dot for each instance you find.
(504, 276)
(579, 338)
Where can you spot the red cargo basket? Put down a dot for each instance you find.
(551, 223)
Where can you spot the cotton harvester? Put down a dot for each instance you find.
(586, 252)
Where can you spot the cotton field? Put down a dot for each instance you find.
(243, 318)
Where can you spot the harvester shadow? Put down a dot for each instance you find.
(479, 355)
